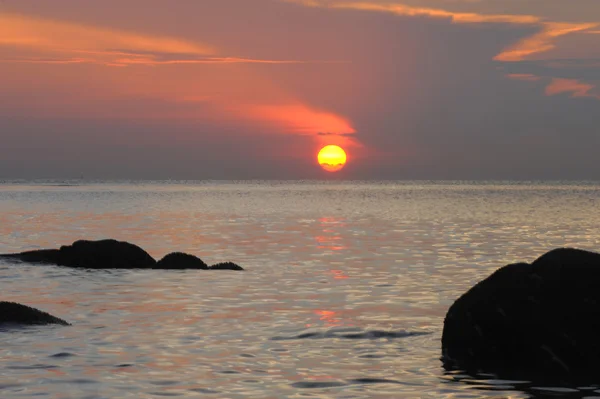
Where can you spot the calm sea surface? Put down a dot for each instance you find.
(330, 267)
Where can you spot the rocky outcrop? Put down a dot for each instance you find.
(15, 313)
(102, 254)
(225, 266)
(538, 321)
(179, 260)
(113, 254)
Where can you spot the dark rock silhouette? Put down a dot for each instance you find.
(102, 254)
(538, 321)
(179, 260)
(225, 266)
(113, 254)
(50, 256)
(15, 313)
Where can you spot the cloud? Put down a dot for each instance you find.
(455, 17)
(335, 134)
(47, 60)
(151, 61)
(207, 60)
(577, 88)
(421, 94)
(411, 11)
(58, 36)
(48, 41)
(325, 127)
(542, 41)
(523, 76)
(543, 54)
(302, 119)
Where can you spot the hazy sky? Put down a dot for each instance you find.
(237, 89)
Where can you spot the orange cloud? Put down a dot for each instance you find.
(70, 43)
(153, 61)
(47, 60)
(58, 36)
(542, 41)
(538, 43)
(325, 127)
(411, 11)
(523, 76)
(456, 17)
(575, 87)
(214, 97)
(207, 60)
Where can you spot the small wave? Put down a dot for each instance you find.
(204, 390)
(373, 334)
(10, 386)
(14, 327)
(62, 354)
(355, 381)
(33, 367)
(537, 386)
(366, 381)
(318, 384)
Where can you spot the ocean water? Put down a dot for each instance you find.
(344, 294)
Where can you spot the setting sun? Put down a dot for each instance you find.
(332, 158)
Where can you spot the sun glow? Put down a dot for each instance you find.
(332, 158)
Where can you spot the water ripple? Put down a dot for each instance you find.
(348, 286)
(373, 334)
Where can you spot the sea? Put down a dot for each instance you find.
(344, 293)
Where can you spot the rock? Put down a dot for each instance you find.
(113, 254)
(179, 260)
(105, 254)
(15, 313)
(225, 266)
(102, 254)
(50, 256)
(538, 321)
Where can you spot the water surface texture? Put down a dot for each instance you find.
(344, 294)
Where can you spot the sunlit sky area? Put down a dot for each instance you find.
(252, 89)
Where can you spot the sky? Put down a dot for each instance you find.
(252, 89)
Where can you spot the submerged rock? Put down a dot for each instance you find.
(50, 256)
(15, 313)
(113, 254)
(180, 260)
(538, 321)
(226, 266)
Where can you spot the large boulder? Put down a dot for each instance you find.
(538, 321)
(15, 313)
(102, 254)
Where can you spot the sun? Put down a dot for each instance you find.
(332, 158)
